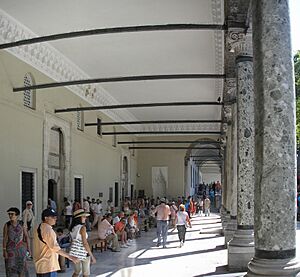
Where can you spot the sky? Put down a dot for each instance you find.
(295, 24)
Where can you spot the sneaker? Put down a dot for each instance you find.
(158, 244)
(124, 246)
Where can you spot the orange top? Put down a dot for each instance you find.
(119, 226)
(45, 256)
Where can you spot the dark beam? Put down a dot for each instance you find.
(114, 30)
(208, 161)
(168, 141)
(159, 132)
(155, 122)
(212, 156)
(120, 79)
(169, 148)
(140, 105)
(203, 156)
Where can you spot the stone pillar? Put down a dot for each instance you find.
(275, 147)
(241, 247)
(232, 224)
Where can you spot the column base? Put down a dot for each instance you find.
(240, 250)
(273, 267)
(230, 230)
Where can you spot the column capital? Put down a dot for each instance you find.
(239, 42)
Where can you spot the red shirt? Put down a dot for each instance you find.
(119, 226)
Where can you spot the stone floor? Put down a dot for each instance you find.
(202, 255)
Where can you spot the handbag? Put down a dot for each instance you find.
(77, 249)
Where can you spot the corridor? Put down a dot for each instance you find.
(202, 255)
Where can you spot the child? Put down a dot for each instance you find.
(64, 241)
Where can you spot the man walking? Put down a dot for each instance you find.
(163, 212)
(46, 248)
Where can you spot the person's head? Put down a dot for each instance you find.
(49, 216)
(93, 200)
(163, 200)
(108, 217)
(81, 214)
(181, 208)
(28, 204)
(121, 214)
(79, 217)
(13, 213)
(98, 201)
(59, 231)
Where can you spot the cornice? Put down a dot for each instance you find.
(55, 65)
(216, 6)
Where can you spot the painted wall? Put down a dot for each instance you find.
(174, 160)
(94, 158)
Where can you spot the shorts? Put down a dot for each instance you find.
(49, 274)
(83, 265)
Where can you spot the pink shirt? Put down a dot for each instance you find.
(104, 229)
(163, 212)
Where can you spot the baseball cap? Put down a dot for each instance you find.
(80, 213)
(48, 212)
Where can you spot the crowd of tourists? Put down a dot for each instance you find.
(69, 240)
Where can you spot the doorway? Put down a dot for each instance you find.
(52, 190)
(116, 194)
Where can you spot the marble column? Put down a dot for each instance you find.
(275, 147)
(241, 247)
(226, 192)
(232, 224)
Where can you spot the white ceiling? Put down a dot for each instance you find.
(142, 53)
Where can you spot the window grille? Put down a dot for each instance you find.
(29, 99)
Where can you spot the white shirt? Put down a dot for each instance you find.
(98, 208)
(181, 218)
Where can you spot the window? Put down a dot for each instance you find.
(29, 99)
(77, 189)
(27, 188)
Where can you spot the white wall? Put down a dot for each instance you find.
(22, 138)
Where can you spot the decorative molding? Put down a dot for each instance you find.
(53, 64)
(56, 66)
(234, 36)
(216, 6)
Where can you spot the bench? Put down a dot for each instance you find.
(97, 243)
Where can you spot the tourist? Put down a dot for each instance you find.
(106, 232)
(182, 219)
(163, 213)
(79, 246)
(46, 248)
(14, 245)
